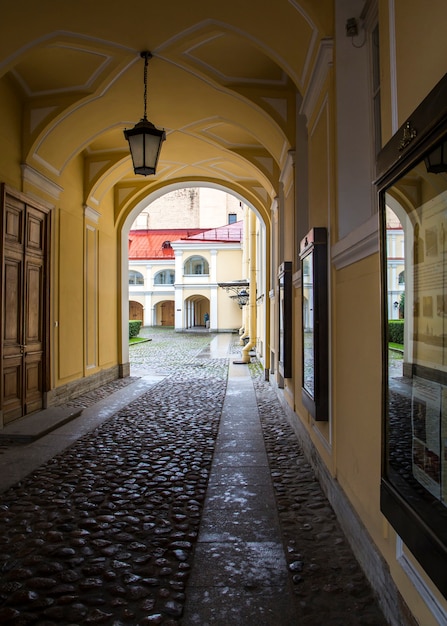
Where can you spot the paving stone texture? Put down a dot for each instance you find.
(105, 532)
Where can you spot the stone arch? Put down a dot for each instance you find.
(128, 219)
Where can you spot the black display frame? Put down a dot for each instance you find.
(313, 254)
(285, 319)
(416, 518)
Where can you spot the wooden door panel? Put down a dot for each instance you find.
(13, 294)
(167, 313)
(12, 388)
(33, 382)
(35, 231)
(13, 222)
(135, 310)
(33, 305)
(24, 349)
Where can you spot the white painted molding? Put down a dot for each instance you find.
(287, 176)
(393, 68)
(288, 166)
(91, 214)
(297, 279)
(359, 244)
(319, 74)
(35, 178)
(421, 586)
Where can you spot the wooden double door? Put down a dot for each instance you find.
(24, 323)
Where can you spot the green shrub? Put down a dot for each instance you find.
(396, 331)
(134, 328)
(402, 305)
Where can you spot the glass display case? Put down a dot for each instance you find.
(414, 468)
(285, 319)
(313, 256)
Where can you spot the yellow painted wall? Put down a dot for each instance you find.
(321, 192)
(228, 311)
(108, 302)
(357, 376)
(10, 119)
(86, 250)
(70, 306)
(421, 50)
(229, 265)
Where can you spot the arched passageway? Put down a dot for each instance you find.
(196, 307)
(309, 123)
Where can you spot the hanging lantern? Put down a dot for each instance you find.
(144, 138)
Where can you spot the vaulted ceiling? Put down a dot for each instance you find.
(224, 81)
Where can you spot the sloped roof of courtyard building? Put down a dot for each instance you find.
(156, 243)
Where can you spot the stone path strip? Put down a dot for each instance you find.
(239, 573)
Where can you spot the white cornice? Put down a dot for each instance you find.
(296, 279)
(210, 246)
(287, 174)
(91, 214)
(35, 178)
(318, 77)
(359, 244)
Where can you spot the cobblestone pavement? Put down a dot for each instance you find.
(105, 532)
(330, 586)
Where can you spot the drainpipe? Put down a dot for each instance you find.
(252, 298)
(244, 330)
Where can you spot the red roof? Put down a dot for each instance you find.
(156, 244)
(229, 232)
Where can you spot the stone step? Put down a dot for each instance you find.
(36, 425)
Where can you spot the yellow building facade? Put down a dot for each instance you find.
(314, 115)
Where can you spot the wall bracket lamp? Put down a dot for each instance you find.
(436, 160)
(144, 138)
(239, 289)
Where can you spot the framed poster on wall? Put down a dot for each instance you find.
(285, 319)
(313, 256)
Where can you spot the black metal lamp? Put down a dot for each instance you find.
(242, 298)
(238, 287)
(144, 138)
(436, 160)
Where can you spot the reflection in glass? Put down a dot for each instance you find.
(416, 429)
(308, 325)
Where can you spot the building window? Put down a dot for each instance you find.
(165, 277)
(232, 218)
(135, 278)
(196, 265)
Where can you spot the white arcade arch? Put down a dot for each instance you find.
(262, 252)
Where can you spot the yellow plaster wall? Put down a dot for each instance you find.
(70, 306)
(357, 368)
(229, 315)
(320, 161)
(10, 119)
(321, 191)
(109, 301)
(108, 281)
(229, 265)
(79, 329)
(420, 50)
